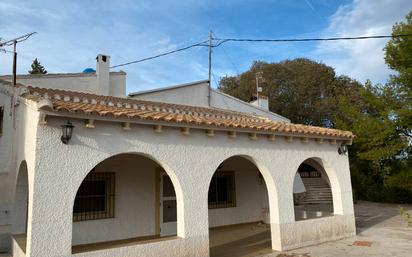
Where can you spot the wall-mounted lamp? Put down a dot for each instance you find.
(343, 149)
(67, 131)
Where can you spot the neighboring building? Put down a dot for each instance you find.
(155, 173)
(200, 94)
(100, 81)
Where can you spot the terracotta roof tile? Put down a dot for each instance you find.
(90, 104)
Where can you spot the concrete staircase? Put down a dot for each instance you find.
(317, 191)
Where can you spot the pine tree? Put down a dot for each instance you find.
(37, 68)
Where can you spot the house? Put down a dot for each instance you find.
(199, 94)
(87, 171)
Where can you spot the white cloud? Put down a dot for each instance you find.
(362, 59)
(71, 34)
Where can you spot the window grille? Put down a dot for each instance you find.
(310, 174)
(307, 171)
(95, 197)
(222, 191)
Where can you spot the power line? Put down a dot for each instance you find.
(229, 58)
(6, 51)
(162, 54)
(221, 41)
(214, 79)
(224, 40)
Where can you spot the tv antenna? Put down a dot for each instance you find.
(14, 42)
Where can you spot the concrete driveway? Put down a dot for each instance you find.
(380, 232)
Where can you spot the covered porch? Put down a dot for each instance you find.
(105, 192)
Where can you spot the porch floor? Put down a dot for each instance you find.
(119, 243)
(251, 239)
(21, 241)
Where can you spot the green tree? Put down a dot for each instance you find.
(309, 92)
(381, 163)
(37, 68)
(303, 90)
(398, 56)
(370, 119)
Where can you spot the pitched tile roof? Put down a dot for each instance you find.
(90, 104)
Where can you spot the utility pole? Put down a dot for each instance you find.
(14, 43)
(210, 66)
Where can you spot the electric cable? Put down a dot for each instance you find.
(162, 54)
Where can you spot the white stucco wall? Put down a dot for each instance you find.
(224, 101)
(134, 202)
(196, 94)
(16, 144)
(19, 210)
(298, 186)
(248, 199)
(16, 249)
(117, 82)
(7, 153)
(6, 139)
(190, 162)
(82, 82)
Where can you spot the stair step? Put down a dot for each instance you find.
(317, 191)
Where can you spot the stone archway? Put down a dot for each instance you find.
(20, 209)
(239, 216)
(312, 192)
(126, 198)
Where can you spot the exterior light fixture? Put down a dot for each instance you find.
(67, 131)
(343, 149)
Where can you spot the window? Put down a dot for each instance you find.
(95, 197)
(222, 192)
(1, 119)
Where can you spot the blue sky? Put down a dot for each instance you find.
(72, 33)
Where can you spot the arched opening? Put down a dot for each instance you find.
(20, 209)
(312, 193)
(125, 199)
(238, 204)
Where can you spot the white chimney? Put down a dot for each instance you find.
(261, 102)
(102, 72)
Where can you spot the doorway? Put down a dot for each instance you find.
(168, 208)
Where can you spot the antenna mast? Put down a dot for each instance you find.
(210, 65)
(14, 43)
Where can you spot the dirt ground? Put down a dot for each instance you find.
(380, 232)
